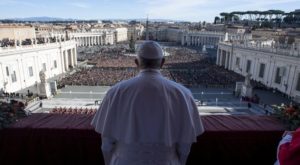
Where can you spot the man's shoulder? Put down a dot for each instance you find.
(177, 86)
(122, 84)
(171, 85)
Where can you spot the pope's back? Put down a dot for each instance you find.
(147, 119)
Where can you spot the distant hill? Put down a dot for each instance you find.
(144, 20)
(53, 19)
(41, 19)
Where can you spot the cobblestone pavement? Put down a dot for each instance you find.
(210, 101)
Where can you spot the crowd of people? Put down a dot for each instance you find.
(183, 65)
(10, 112)
(98, 76)
(92, 53)
(120, 61)
(289, 114)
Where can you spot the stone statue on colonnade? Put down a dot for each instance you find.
(44, 87)
(247, 80)
(247, 88)
(42, 75)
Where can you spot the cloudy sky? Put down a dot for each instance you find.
(189, 10)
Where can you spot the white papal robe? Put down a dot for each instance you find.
(147, 120)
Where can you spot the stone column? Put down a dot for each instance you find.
(221, 58)
(182, 40)
(75, 56)
(62, 58)
(229, 60)
(72, 58)
(200, 41)
(66, 60)
(218, 57)
(226, 60)
(208, 40)
(194, 40)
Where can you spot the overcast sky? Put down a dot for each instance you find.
(189, 10)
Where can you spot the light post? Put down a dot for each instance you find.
(201, 102)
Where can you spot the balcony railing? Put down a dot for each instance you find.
(294, 52)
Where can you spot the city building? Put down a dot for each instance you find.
(273, 65)
(208, 38)
(88, 38)
(120, 34)
(135, 31)
(20, 66)
(16, 32)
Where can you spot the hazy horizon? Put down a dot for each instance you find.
(179, 10)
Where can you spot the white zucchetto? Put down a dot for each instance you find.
(150, 50)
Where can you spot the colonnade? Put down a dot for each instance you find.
(224, 58)
(69, 59)
(199, 40)
(90, 40)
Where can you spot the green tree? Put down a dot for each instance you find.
(217, 19)
(225, 16)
